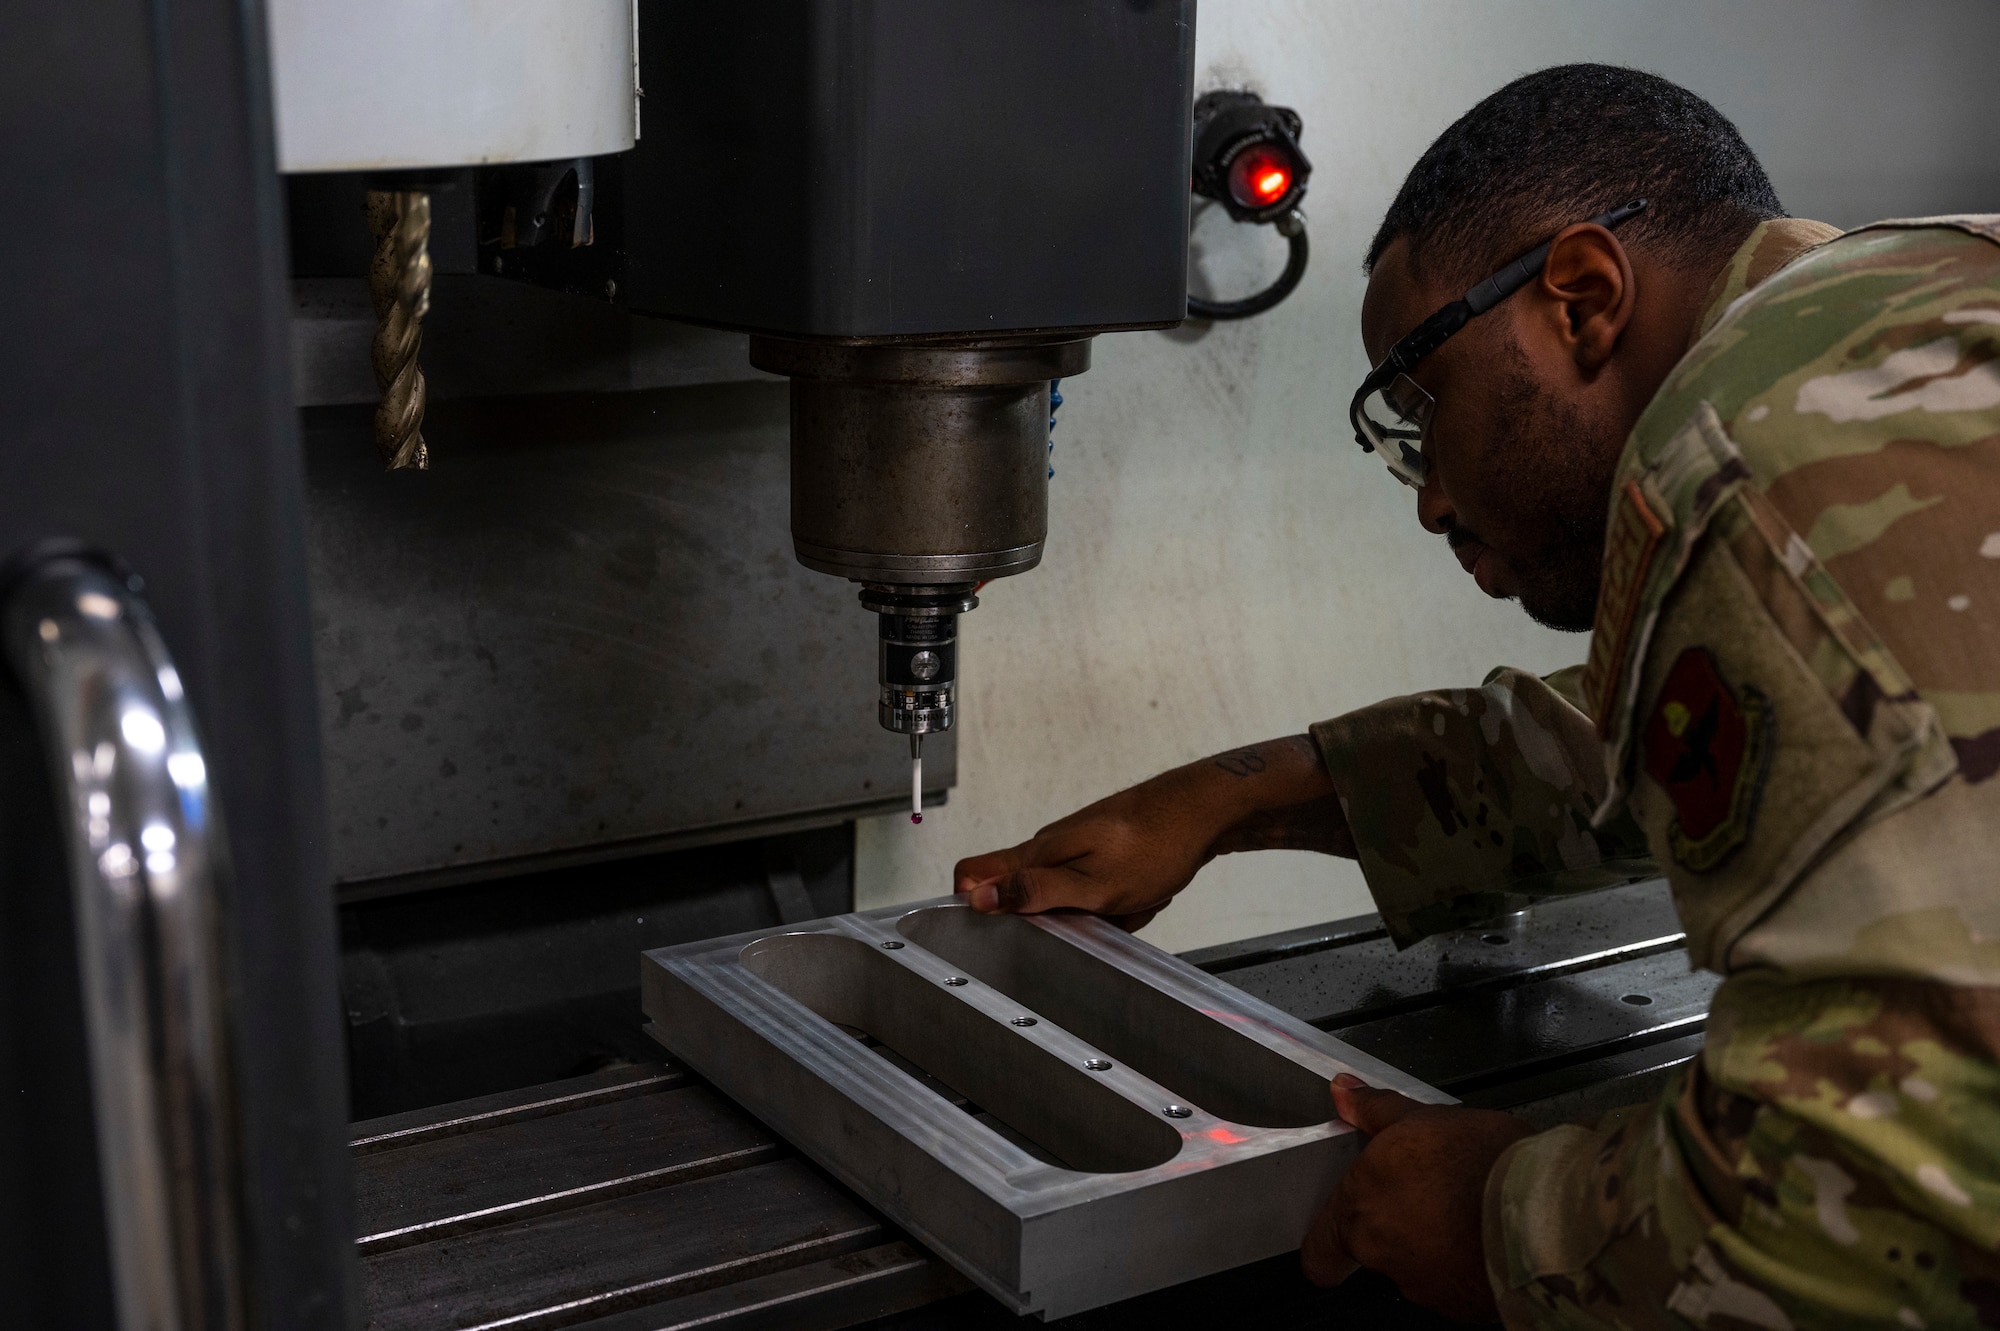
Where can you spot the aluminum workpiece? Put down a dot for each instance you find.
(1069, 1115)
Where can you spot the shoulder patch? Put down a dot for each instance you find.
(1710, 750)
(1630, 544)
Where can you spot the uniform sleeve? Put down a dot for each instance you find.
(1832, 1160)
(1467, 803)
(1804, 752)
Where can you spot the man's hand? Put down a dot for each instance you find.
(1411, 1204)
(1127, 855)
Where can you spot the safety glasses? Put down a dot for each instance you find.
(1390, 413)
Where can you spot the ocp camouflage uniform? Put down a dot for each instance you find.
(1792, 707)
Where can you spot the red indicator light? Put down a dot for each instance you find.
(1260, 176)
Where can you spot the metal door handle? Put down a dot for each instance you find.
(145, 859)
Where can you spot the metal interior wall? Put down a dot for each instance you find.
(483, 988)
(581, 633)
(147, 410)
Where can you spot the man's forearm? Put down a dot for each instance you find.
(1126, 855)
(1276, 796)
(1315, 825)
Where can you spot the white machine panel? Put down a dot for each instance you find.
(389, 84)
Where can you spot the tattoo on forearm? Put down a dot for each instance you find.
(1241, 762)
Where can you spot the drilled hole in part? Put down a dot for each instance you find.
(954, 980)
(1098, 1064)
(1178, 1111)
(892, 945)
(1024, 1021)
(1636, 1000)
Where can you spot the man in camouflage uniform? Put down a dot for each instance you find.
(1791, 707)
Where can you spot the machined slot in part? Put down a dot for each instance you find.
(1200, 1058)
(1057, 1106)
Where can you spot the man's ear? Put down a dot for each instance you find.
(1587, 283)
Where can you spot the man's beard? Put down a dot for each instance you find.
(1553, 466)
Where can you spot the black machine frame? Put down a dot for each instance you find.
(148, 413)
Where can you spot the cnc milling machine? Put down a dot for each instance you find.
(341, 802)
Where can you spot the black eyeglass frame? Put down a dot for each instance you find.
(1434, 331)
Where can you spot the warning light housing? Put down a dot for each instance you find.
(1247, 155)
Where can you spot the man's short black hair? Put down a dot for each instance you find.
(1563, 145)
